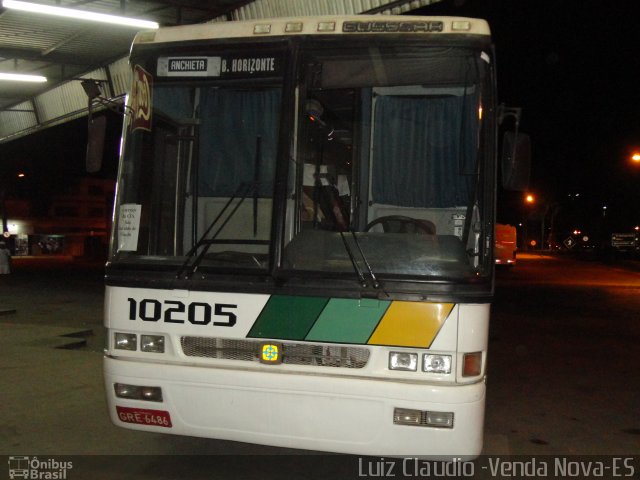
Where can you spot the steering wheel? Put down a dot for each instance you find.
(402, 224)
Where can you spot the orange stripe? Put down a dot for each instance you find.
(410, 324)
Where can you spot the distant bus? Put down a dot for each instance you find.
(626, 242)
(302, 250)
(506, 245)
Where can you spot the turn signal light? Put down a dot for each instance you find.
(472, 364)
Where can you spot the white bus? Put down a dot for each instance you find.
(302, 250)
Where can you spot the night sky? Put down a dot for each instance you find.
(572, 65)
(574, 68)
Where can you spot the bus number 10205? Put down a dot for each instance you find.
(172, 311)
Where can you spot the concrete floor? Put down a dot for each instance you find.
(52, 399)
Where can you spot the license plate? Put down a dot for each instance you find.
(142, 416)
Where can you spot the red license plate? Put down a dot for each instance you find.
(142, 416)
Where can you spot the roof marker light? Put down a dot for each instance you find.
(458, 25)
(262, 28)
(78, 14)
(327, 26)
(293, 27)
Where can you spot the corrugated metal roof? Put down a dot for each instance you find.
(65, 50)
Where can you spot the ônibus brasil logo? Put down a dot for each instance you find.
(37, 469)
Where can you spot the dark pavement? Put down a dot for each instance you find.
(563, 364)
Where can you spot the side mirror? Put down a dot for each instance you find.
(95, 143)
(516, 161)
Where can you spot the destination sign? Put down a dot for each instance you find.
(189, 66)
(246, 67)
(220, 67)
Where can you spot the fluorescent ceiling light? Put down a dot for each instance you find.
(17, 77)
(79, 14)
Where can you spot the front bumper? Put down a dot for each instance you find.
(316, 412)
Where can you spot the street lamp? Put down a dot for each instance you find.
(635, 157)
(529, 200)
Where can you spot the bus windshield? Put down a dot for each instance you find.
(390, 152)
(387, 169)
(199, 174)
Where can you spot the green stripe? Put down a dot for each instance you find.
(348, 321)
(287, 317)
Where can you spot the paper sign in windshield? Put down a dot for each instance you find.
(129, 227)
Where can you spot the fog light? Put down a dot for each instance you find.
(136, 392)
(436, 363)
(126, 391)
(403, 361)
(472, 364)
(439, 419)
(152, 343)
(126, 341)
(405, 416)
(421, 418)
(151, 394)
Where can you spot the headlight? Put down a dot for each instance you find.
(125, 341)
(152, 343)
(436, 363)
(403, 361)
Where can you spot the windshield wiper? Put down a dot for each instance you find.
(376, 284)
(359, 273)
(244, 188)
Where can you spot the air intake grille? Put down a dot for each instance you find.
(292, 353)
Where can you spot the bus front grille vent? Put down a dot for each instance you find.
(292, 353)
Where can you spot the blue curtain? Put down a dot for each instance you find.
(174, 102)
(422, 148)
(231, 121)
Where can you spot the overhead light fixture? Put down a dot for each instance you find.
(79, 14)
(18, 77)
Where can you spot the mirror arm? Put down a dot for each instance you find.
(504, 112)
(515, 113)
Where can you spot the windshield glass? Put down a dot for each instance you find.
(391, 147)
(199, 162)
(387, 170)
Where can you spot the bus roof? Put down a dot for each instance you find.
(319, 25)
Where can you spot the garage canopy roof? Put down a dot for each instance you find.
(66, 50)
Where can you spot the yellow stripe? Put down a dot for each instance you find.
(410, 324)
